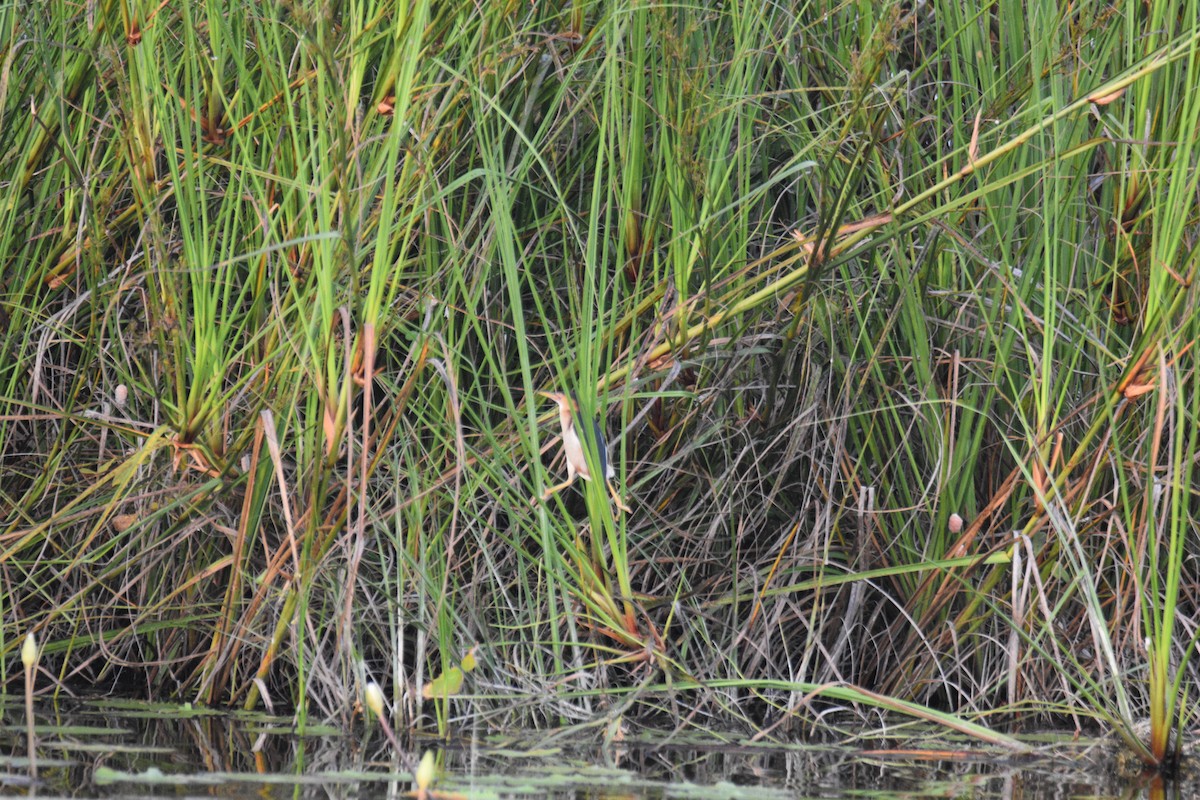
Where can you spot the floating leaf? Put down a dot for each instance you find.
(448, 683)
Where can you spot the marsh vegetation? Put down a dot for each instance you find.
(888, 312)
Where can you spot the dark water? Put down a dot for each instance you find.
(101, 749)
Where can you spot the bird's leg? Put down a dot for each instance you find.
(556, 489)
(616, 496)
(571, 473)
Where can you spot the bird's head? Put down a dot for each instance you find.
(567, 407)
(564, 401)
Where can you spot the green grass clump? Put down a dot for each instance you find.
(889, 313)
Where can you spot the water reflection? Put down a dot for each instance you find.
(106, 749)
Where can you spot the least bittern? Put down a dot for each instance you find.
(577, 464)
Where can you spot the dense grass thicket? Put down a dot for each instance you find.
(889, 312)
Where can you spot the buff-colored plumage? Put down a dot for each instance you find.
(577, 464)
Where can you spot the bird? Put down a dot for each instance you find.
(568, 410)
